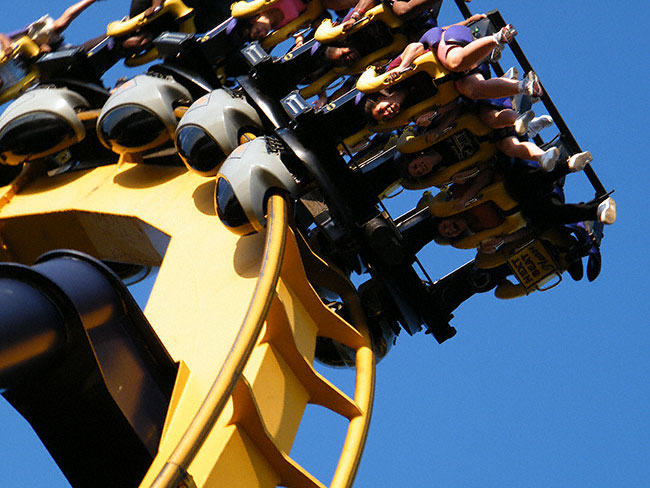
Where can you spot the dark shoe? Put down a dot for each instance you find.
(575, 270)
(594, 263)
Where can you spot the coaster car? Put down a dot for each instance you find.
(181, 15)
(212, 128)
(387, 52)
(467, 131)
(537, 259)
(443, 91)
(249, 174)
(41, 122)
(242, 10)
(371, 81)
(495, 195)
(17, 71)
(142, 114)
(328, 33)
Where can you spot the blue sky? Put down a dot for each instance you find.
(549, 390)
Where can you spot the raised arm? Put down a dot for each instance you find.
(360, 9)
(70, 14)
(480, 181)
(407, 57)
(5, 44)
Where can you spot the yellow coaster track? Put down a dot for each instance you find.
(242, 386)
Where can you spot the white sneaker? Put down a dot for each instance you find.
(530, 85)
(549, 158)
(511, 74)
(607, 211)
(505, 35)
(523, 122)
(577, 162)
(537, 124)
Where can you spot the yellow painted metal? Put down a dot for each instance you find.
(327, 32)
(183, 15)
(165, 216)
(305, 19)
(244, 9)
(253, 435)
(26, 48)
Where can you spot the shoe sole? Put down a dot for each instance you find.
(608, 216)
(522, 122)
(581, 163)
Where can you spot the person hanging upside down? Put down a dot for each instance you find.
(405, 9)
(532, 188)
(46, 31)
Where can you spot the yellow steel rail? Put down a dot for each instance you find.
(282, 289)
(236, 430)
(175, 468)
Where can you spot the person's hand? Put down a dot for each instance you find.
(425, 119)
(156, 6)
(459, 204)
(320, 102)
(491, 245)
(393, 75)
(354, 17)
(299, 41)
(347, 24)
(400, 8)
(462, 176)
(475, 17)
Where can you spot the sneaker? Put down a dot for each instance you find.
(537, 124)
(577, 162)
(512, 73)
(575, 270)
(505, 35)
(523, 121)
(531, 85)
(594, 263)
(495, 55)
(607, 211)
(549, 158)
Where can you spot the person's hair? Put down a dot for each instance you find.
(406, 160)
(369, 105)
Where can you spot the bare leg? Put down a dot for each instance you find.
(497, 119)
(462, 58)
(70, 14)
(513, 147)
(477, 87)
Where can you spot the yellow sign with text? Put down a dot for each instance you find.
(532, 265)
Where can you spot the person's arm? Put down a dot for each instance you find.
(444, 118)
(491, 246)
(156, 5)
(359, 11)
(410, 8)
(471, 19)
(5, 44)
(482, 179)
(70, 14)
(409, 54)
